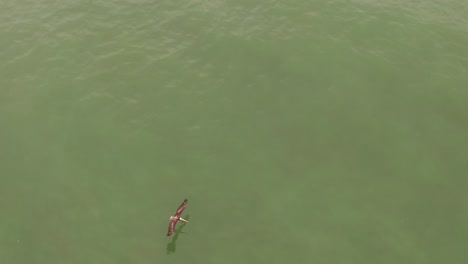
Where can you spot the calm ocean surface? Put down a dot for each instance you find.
(300, 131)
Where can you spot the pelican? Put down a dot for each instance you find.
(176, 218)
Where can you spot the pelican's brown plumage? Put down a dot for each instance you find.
(176, 218)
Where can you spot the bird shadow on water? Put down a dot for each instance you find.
(171, 246)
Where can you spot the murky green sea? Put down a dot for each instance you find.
(325, 131)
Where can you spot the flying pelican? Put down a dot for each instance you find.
(176, 218)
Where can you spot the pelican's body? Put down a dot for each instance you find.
(176, 218)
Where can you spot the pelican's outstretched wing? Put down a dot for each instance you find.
(171, 228)
(181, 208)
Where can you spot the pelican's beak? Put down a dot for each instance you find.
(183, 220)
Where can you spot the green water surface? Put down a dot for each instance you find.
(300, 131)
